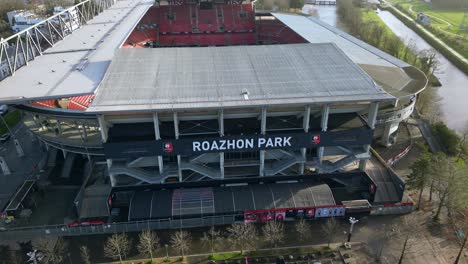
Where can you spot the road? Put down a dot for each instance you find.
(454, 52)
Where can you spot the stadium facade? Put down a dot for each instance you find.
(209, 92)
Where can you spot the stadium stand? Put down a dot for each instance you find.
(195, 26)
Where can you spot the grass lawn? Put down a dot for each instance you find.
(439, 16)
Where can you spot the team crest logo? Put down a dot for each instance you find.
(316, 139)
(167, 147)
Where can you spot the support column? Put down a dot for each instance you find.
(103, 126)
(262, 131)
(324, 126)
(221, 134)
(176, 132)
(371, 120)
(305, 125)
(385, 139)
(157, 135)
(104, 135)
(4, 166)
(59, 127)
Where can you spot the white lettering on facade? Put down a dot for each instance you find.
(196, 146)
(248, 143)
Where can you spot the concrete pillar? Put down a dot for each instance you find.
(262, 131)
(371, 120)
(157, 135)
(221, 134)
(385, 139)
(4, 166)
(324, 126)
(176, 132)
(104, 136)
(19, 149)
(104, 128)
(59, 127)
(305, 125)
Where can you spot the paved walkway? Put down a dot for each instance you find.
(454, 52)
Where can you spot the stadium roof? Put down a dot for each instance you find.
(77, 64)
(233, 76)
(397, 77)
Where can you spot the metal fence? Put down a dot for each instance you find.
(64, 230)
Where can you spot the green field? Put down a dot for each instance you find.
(447, 20)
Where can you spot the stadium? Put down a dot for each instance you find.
(193, 106)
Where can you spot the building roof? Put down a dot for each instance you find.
(397, 77)
(233, 76)
(76, 65)
(227, 200)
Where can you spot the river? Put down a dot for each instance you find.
(454, 89)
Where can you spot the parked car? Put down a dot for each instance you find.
(4, 137)
(3, 109)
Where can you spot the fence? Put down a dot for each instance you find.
(64, 230)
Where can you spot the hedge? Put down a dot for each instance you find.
(439, 47)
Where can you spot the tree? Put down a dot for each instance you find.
(85, 255)
(302, 229)
(273, 232)
(117, 246)
(181, 240)
(447, 137)
(420, 175)
(450, 184)
(211, 238)
(53, 250)
(329, 229)
(148, 243)
(408, 227)
(242, 235)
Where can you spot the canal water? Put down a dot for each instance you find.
(454, 89)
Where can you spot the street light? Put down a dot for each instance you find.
(167, 253)
(352, 221)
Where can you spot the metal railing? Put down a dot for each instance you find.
(109, 228)
(19, 49)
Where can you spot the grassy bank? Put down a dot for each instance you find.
(439, 47)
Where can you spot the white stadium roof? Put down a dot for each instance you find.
(77, 64)
(232, 76)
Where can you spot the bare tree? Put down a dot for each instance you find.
(53, 250)
(408, 227)
(242, 235)
(450, 184)
(211, 238)
(117, 246)
(85, 256)
(302, 229)
(273, 232)
(181, 241)
(330, 229)
(148, 243)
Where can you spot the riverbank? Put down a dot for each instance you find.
(458, 60)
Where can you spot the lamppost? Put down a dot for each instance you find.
(167, 253)
(352, 221)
